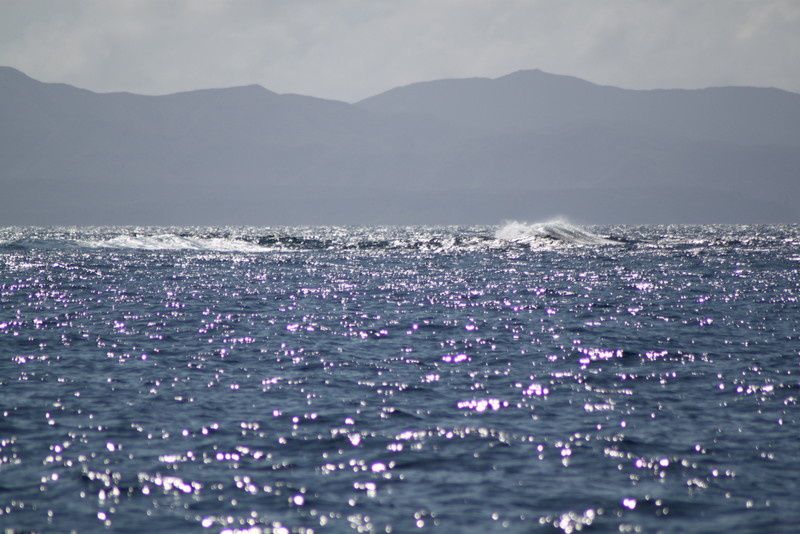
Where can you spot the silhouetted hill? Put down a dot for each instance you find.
(528, 145)
(533, 100)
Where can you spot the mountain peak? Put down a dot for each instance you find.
(538, 75)
(252, 88)
(525, 73)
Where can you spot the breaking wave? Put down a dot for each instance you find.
(548, 233)
(551, 235)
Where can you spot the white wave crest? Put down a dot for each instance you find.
(548, 233)
(174, 242)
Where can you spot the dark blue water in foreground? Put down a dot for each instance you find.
(531, 377)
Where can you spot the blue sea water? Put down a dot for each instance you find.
(527, 377)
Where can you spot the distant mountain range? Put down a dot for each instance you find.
(529, 145)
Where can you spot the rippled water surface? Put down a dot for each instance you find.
(521, 378)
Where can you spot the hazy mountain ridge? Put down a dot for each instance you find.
(535, 100)
(527, 145)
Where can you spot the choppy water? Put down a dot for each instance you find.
(522, 378)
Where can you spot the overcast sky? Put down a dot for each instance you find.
(347, 49)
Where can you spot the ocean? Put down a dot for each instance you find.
(517, 378)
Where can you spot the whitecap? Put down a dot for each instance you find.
(174, 242)
(546, 234)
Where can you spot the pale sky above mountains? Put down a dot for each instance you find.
(346, 49)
